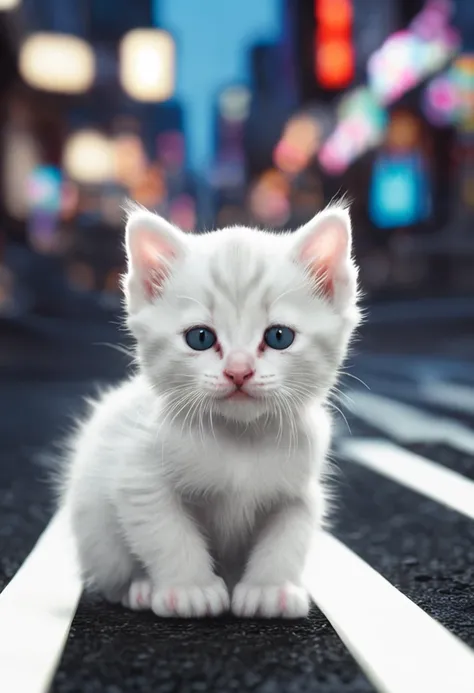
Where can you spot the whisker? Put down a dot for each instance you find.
(128, 351)
(351, 375)
(331, 404)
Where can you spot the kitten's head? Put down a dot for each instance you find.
(241, 322)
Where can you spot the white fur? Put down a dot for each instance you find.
(188, 503)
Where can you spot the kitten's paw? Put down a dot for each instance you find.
(191, 601)
(138, 597)
(270, 601)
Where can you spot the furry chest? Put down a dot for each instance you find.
(229, 521)
(253, 475)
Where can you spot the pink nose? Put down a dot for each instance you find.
(239, 370)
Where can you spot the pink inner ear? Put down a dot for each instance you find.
(152, 255)
(325, 252)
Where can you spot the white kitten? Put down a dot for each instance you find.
(196, 486)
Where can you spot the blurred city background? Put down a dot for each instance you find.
(224, 112)
(220, 113)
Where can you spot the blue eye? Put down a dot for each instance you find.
(279, 337)
(200, 338)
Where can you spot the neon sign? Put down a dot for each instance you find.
(409, 56)
(361, 127)
(449, 98)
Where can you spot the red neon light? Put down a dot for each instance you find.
(334, 15)
(334, 52)
(335, 63)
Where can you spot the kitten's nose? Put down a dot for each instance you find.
(239, 369)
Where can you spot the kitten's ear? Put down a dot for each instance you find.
(323, 246)
(153, 246)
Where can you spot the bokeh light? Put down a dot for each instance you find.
(89, 157)
(147, 69)
(441, 100)
(403, 132)
(269, 199)
(150, 189)
(300, 141)
(361, 126)
(334, 15)
(234, 103)
(7, 5)
(335, 63)
(21, 156)
(129, 159)
(57, 63)
(462, 74)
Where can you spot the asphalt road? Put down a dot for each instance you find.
(421, 546)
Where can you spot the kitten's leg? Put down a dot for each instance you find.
(106, 563)
(272, 582)
(172, 549)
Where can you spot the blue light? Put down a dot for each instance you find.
(399, 194)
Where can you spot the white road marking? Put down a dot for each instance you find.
(400, 648)
(413, 471)
(449, 396)
(455, 397)
(409, 424)
(36, 611)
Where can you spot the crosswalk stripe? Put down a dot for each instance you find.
(413, 471)
(452, 396)
(409, 424)
(400, 648)
(36, 611)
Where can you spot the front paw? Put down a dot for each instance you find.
(270, 601)
(191, 601)
(138, 596)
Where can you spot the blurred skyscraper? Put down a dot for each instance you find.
(213, 45)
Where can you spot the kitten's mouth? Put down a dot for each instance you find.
(238, 396)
